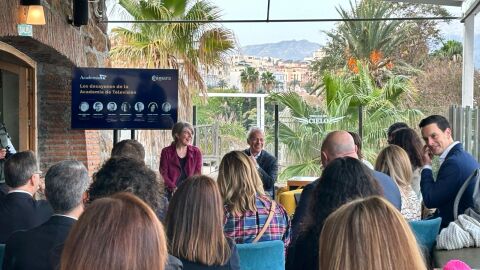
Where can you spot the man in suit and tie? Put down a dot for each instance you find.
(266, 163)
(18, 209)
(65, 188)
(456, 166)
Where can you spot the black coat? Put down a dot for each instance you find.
(32, 249)
(268, 169)
(19, 211)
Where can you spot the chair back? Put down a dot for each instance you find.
(426, 232)
(2, 252)
(268, 255)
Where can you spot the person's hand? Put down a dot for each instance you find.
(3, 153)
(427, 155)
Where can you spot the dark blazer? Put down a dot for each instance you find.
(170, 164)
(19, 211)
(268, 169)
(390, 192)
(32, 249)
(440, 194)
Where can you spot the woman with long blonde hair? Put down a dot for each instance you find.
(120, 232)
(394, 161)
(246, 205)
(368, 233)
(195, 226)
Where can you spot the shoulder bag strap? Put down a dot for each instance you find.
(269, 219)
(472, 177)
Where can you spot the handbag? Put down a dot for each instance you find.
(269, 219)
(463, 232)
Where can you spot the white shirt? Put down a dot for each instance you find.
(19, 191)
(443, 155)
(60, 215)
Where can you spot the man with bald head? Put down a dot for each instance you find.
(341, 144)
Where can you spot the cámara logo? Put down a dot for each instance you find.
(161, 78)
(89, 77)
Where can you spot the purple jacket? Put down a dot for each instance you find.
(170, 164)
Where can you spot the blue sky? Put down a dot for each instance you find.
(257, 33)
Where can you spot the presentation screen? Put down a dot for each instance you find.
(118, 98)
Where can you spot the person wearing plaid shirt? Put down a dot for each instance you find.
(245, 227)
(246, 205)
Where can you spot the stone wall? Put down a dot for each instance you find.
(57, 47)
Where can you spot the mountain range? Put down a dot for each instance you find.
(286, 50)
(299, 49)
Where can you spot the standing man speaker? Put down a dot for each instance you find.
(266, 163)
(6, 150)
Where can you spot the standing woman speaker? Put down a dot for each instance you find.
(181, 159)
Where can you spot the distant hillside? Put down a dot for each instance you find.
(286, 50)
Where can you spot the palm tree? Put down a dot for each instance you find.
(268, 81)
(249, 79)
(343, 93)
(372, 42)
(451, 49)
(180, 46)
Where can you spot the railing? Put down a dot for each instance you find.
(207, 138)
(465, 123)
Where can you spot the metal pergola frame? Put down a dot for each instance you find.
(469, 8)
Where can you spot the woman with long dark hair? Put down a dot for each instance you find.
(344, 179)
(409, 141)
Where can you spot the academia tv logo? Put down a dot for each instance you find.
(160, 78)
(90, 77)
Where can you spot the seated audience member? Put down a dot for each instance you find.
(358, 143)
(340, 144)
(394, 127)
(18, 209)
(265, 162)
(122, 174)
(129, 148)
(343, 180)
(368, 234)
(120, 232)
(394, 162)
(195, 227)
(246, 205)
(456, 166)
(65, 185)
(409, 141)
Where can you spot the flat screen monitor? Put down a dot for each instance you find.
(124, 98)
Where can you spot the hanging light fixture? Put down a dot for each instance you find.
(32, 12)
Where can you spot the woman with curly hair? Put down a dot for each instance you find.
(125, 174)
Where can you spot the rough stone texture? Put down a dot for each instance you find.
(57, 47)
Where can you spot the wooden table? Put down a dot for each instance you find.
(300, 181)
